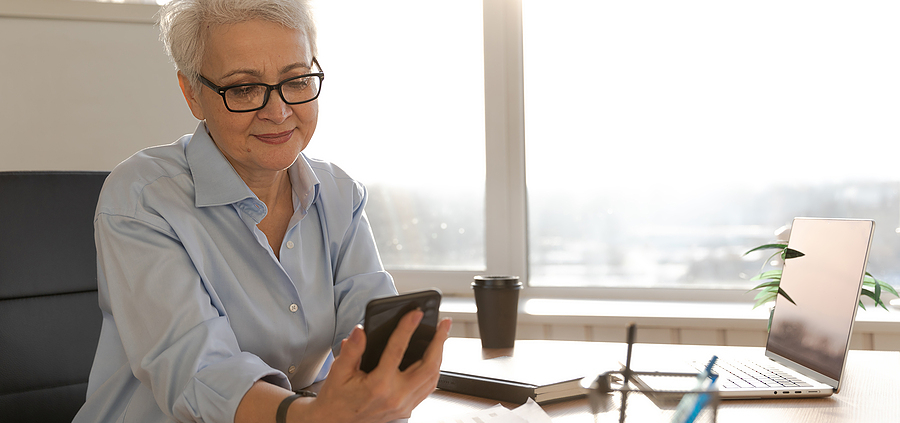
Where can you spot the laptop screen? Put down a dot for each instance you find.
(825, 284)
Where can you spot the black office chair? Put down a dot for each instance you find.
(49, 317)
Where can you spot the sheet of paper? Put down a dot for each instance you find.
(530, 412)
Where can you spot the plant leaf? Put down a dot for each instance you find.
(868, 293)
(875, 296)
(790, 253)
(786, 296)
(768, 292)
(861, 305)
(765, 285)
(771, 274)
(871, 281)
(763, 300)
(878, 288)
(889, 288)
(885, 285)
(767, 247)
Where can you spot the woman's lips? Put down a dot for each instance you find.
(275, 138)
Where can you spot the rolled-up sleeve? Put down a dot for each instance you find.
(176, 336)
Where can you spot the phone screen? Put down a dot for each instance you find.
(382, 317)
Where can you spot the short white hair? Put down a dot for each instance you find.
(182, 22)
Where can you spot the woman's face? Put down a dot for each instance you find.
(268, 140)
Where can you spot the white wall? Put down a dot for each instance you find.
(84, 95)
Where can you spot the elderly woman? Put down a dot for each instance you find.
(230, 264)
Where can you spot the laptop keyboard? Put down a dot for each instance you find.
(750, 374)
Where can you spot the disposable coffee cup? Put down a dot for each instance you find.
(497, 299)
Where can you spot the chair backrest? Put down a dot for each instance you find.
(49, 317)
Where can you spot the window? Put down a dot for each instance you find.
(402, 110)
(665, 138)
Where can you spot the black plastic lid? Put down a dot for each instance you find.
(507, 282)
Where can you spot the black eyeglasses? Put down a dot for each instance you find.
(242, 98)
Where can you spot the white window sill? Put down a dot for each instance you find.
(659, 314)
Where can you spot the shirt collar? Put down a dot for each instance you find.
(215, 180)
(217, 183)
(304, 182)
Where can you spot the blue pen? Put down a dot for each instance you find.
(702, 401)
(691, 405)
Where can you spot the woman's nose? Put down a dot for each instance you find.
(275, 110)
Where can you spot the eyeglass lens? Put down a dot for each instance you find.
(254, 96)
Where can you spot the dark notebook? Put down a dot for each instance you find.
(513, 379)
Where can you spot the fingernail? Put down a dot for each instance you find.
(355, 334)
(417, 317)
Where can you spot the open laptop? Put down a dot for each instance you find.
(807, 345)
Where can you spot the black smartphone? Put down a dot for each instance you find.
(382, 317)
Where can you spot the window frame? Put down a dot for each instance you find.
(506, 247)
(506, 220)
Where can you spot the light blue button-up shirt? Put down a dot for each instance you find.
(196, 306)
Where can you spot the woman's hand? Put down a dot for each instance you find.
(386, 393)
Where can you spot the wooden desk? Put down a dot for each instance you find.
(870, 393)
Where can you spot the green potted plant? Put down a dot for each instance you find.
(769, 288)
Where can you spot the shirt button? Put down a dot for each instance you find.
(292, 369)
(294, 308)
(290, 244)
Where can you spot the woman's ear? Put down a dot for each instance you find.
(192, 97)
